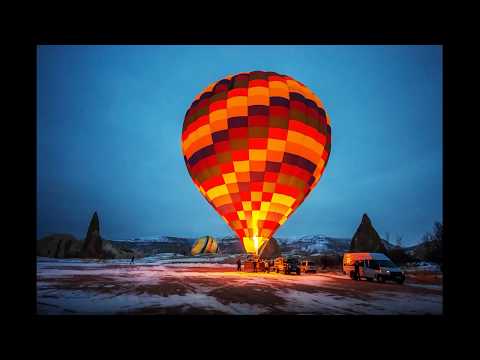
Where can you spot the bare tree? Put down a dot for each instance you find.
(399, 240)
(387, 236)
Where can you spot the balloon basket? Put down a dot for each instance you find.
(253, 265)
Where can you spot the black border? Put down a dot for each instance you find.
(417, 325)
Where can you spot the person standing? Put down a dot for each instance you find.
(133, 260)
(357, 270)
(239, 265)
(254, 266)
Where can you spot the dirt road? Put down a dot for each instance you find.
(86, 287)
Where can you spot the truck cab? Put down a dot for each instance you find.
(372, 266)
(287, 266)
(280, 264)
(293, 266)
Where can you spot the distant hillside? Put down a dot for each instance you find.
(230, 245)
(158, 238)
(420, 251)
(162, 244)
(307, 244)
(314, 244)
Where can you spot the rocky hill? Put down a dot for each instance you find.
(366, 238)
(60, 246)
(92, 247)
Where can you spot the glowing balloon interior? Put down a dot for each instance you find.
(255, 145)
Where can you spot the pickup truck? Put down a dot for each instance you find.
(307, 266)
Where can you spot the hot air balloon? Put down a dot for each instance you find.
(205, 245)
(255, 145)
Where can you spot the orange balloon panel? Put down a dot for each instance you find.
(255, 145)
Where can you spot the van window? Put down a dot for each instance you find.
(386, 263)
(375, 264)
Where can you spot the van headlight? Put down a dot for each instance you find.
(388, 271)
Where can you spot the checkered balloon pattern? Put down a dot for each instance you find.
(255, 145)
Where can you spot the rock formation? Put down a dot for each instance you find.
(366, 238)
(269, 249)
(92, 247)
(59, 246)
(67, 246)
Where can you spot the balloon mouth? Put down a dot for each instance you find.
(255, 244)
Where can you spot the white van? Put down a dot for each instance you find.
(372, 266)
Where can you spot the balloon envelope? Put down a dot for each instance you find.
(255, 145)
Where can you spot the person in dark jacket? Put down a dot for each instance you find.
(133, 259)
(239, 265)
(357, 270)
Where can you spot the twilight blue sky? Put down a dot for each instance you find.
(110, 117)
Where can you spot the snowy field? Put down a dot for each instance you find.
(168, 284)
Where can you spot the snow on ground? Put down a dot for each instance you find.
(162, 258)
(180, 285)
(305, 303)
(83, 302)
(423, 266)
